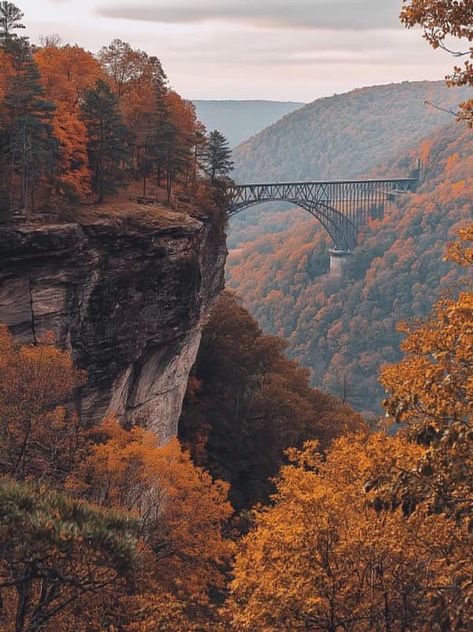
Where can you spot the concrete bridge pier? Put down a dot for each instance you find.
(339, 261)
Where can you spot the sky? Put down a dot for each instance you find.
(289, 50)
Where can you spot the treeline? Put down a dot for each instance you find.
(344, 331)
(74, 124)
(102, 529)
(346, 135)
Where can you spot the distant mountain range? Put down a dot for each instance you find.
(346, 134)
(239, 120)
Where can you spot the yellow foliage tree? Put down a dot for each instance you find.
(431, 391)
(39, 435)
(182, 509)
(326, 556)
(378, 535)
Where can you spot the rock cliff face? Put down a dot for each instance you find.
(127, 295)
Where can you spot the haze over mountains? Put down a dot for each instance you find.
(239, 120)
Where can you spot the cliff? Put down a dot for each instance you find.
(127, 294)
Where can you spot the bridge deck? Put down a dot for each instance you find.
(323, 182)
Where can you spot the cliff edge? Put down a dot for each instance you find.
(127, 294)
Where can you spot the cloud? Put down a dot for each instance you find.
(287, 14)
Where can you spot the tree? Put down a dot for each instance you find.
(431, 392)
(247, 403)
(107, 139)
(443, 20)
(55, 550)
(181, 508)
(67, 72)
(125, 66)
(324, 556)
(29, 146)
(218, 161)
(39, 436)
(10, 20)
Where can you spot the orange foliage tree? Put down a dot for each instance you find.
(39, 435)
(378, 534)
(181, 508)
(67, 72)
(431, 392)
(326, 557)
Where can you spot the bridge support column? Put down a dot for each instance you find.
(339, 260)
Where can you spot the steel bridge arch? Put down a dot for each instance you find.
(340, 228)
(341, 206)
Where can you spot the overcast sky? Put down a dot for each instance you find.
(294, 50)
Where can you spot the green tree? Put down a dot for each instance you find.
(53, 551)
(218, 156)
(28, 146)
(107, 133)
(10, 20)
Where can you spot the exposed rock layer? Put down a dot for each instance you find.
(127, 295)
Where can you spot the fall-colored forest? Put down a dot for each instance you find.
(103, 529)
(345, 330)
(278, 509)
(78, 127)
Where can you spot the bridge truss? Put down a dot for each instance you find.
(341, 206)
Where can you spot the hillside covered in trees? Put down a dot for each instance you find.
(246, 403)
(345, 135)
(345, 330)
(104, 529)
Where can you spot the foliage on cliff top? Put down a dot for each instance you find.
(79, 127)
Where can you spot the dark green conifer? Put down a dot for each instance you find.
(29, 150)
(10, 20)
(107, 146)
(218, 156)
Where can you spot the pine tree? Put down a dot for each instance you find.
(218, 156)
(10, 20)
(107, 133)
(29, 148)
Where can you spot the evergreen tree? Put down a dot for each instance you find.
(28, 148)
(107, 133)
(218, 156)
(10, 20)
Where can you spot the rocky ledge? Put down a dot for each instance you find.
(127, 295)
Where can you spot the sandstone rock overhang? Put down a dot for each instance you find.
(127, 294)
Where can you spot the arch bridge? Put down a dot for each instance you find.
(341, 206)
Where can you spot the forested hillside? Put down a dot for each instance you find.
(246, 403)
(239, 120)
(347, 134)
(345, 330)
